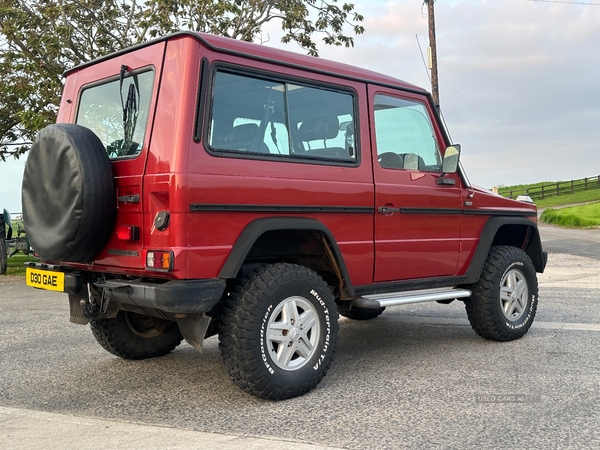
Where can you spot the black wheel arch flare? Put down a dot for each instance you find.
(255, 229)
(531, 243)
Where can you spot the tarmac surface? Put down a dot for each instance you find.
(416, 377)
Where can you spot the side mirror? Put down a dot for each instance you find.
(451, 157)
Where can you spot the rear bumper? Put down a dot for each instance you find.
(178, 296)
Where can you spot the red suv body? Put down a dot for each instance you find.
(197, 185)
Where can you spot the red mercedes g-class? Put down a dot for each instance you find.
(197, 185)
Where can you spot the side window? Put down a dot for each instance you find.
(258, 116)
(405, 136)
(119, 117)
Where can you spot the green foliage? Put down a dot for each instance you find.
(40, 39)
(574, 217)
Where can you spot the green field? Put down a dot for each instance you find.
(574, 217)
(569, 199)
(578, 191)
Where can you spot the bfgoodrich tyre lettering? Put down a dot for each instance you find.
(278, 332)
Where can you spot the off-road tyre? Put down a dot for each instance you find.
(3, 257)
(356, 313)
(134, 336)
(2, 227)
(69, 196)
(504, 300)
(293, 302)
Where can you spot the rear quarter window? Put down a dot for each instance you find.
(256, 117)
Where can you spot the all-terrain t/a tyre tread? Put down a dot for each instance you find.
(237, 341)
(483, 306)
(115, 338)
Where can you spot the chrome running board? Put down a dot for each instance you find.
(406, 297)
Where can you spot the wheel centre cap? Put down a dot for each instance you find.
(294, 334)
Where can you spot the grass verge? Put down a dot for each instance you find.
(15, 264)
(574, 217)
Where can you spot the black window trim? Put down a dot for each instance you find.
(267, 75)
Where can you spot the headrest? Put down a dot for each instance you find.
(319, 127)
(241, 134)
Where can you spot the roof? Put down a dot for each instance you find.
(285, 57)
(274, 55)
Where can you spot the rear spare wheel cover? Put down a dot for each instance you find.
(69, 199)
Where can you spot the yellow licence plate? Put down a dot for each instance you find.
(46, 279)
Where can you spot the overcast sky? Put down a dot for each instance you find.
(519, 82)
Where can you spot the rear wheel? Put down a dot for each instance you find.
(278, 332)
(504, 300)
(135, 336)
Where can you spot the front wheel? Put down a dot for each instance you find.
(505, 298)
(135, 336)
(278, 332)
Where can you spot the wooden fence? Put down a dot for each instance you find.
(554, 189)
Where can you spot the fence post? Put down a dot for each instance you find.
(510, 194)
(542, 192)
(557, 189)
(585, 184)
(571, 186)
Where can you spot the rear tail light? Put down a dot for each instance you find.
(128, 233)
(159, 260)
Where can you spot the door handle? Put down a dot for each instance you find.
(387, 210)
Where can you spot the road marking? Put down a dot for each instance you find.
(570, 326)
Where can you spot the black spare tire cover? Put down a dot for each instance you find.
(69, 199)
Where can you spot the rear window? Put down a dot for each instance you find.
(117, 112)
(261, 117)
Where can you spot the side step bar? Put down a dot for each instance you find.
(404, 298)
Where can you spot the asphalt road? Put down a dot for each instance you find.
(416, 377)
(574, 242)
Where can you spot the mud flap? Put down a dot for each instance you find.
(194, 329)
(76, 308)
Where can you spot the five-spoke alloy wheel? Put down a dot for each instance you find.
(278, 331)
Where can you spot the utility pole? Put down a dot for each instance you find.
(433, 54)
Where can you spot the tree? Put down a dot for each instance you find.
(40, 39)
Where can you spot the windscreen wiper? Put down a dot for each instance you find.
(130, 111)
